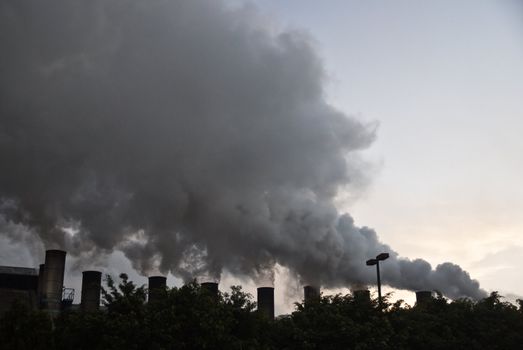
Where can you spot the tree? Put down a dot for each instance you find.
(22, 328)
(191, 317)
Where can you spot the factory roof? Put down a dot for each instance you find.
(15, 270)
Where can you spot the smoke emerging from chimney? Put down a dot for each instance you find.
(192, 136)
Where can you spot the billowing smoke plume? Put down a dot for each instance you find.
(189, 135)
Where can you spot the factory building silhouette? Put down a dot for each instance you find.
(44, 288)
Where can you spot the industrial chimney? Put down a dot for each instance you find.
(210, 287)
(40, 287)
(311, 294)
(91, 288)
(423, 297)
(266, 301)
(361, 295)
(53, 280)
(157, 285)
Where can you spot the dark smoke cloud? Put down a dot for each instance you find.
(189, 135)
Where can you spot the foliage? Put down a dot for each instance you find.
(22, 328)
(190, 317)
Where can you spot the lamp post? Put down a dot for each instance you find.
(376, 261)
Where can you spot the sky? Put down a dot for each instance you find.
(443, 81)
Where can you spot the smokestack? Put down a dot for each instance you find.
(423, 297)
(266, 301)
(91, 287)
(361, 295)
(157, 285)
(53, 280)
(40, 288)
(210, 287)
(311, 294)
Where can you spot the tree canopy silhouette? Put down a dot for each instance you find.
(191, 317)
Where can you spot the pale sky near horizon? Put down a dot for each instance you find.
(444, 79)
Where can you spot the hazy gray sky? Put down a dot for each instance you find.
(445, 81)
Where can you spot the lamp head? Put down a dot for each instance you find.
(371, 262)
(382, 256)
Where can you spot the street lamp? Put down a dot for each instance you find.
(376, 261)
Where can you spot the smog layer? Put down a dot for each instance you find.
(192, 136)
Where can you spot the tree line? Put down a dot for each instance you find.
(190, 317)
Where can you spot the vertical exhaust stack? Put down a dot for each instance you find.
(40, 288)
(157, 285)
(361, 295)
(311, 294)
(423, 297)
(266, 301)
(210, 287)
(91, 288)
(53, 280)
